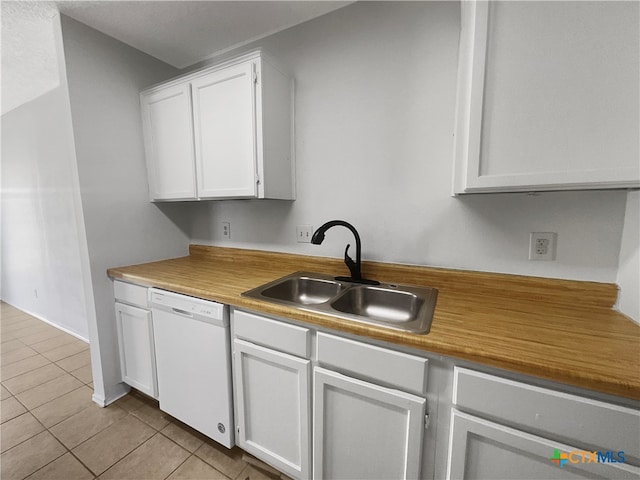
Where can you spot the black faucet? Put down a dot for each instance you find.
(354, 267)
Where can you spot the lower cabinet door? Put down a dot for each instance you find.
(137, 354)
(481, 449)
(273, 407)
(364, 431)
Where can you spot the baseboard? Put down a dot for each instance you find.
(120, 391)
(59, 327)
(99, 399)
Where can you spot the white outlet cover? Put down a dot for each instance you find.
(226, 230)
(304, 233)
(542, 246)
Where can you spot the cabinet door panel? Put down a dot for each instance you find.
(273, 407)
(137, 354)
(584, 421)
(480, 449)
(168, 134)
(541, 109)
(362, 430)
(225, 132)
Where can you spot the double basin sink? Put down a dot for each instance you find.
(401, 307)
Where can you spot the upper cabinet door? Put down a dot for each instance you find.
(224, 106)
(167, 126)
(547, 97)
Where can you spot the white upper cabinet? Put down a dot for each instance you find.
(221, 132)
(225, 126)
(547, 97)
(167, 122)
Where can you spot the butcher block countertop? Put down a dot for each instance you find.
(561, 330)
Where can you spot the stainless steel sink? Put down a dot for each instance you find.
(380, 304)
(303, 290)
(402, 307)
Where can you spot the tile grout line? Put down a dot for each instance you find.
(15, 331)
(81, 462)
(67, 450)
(30, 370)
(191, 454)
(97, 433)
(43, 431)
(87, 384)
(50, 361)
(54, 398)
(57, 346)
(25, 358)
(185, 461)
(46, 429)
(128, 412)
(86, 440)
(130, 452)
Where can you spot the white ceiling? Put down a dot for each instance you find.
(180, 33)
(29, 65)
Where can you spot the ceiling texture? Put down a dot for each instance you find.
(180, 33)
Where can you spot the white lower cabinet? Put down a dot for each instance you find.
(365, 431)
(530, 432)
(368, 423)
(481, 449)
(273, 407)
(272, 383)
(137, 354)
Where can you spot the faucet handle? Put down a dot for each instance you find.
(353, 266)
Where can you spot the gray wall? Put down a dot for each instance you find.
(41, 253)
(104, 78)
(629, 269)
(375, 99)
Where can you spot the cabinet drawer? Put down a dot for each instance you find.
(272, 333)
(591, 422)
(395, 369)
(131, 294)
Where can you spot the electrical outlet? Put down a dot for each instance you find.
(226, 230)
(304, 233)
(542, 245)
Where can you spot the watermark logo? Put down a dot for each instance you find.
(582, 456)
(559, 458)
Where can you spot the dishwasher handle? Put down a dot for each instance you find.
(184, 313)
(189, 307)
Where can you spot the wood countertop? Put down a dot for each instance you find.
(559, 330)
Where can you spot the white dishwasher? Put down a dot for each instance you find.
(194, 362)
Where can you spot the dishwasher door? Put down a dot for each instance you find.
(194, 363)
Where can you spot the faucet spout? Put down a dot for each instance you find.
(355, 267)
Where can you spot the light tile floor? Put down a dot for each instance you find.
(51, 430)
